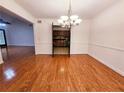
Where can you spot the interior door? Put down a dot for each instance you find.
(2, 38)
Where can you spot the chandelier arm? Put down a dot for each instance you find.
(69, 20)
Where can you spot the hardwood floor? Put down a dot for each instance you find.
(13, 53)
(58, 73)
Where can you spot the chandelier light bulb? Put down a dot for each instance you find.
(69, 20)
(74, 17)
(2, 24)
(64, 18)
(60, 21)
(78, 21)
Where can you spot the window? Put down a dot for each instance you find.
(2, 38)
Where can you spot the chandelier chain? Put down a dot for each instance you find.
(69, 20)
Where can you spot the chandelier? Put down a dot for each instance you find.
(69, 20)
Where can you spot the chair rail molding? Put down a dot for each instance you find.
(109, 47)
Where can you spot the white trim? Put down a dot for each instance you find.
(109, 47)
(110, 66)
(1, 59)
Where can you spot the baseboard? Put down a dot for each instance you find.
(21, 46)
(108, 65)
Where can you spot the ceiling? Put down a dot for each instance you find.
(56, 8)
(10, 16)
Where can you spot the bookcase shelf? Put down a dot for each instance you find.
(61, 38)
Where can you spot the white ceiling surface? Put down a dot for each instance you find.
(56, 8)
(9, 16)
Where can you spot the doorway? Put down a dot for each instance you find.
(16, 37)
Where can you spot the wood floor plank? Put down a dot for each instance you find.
(23, 71)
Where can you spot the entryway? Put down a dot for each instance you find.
(16, 37)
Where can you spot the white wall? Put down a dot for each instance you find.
(107, 37)
(20, 34)
(79, 37)
(43, 36)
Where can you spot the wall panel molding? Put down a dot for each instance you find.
(108, 65)
(111, 57)
(109, 47)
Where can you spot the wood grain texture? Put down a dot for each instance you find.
(57, 74)
(14, 53)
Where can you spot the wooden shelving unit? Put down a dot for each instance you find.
(61, 39)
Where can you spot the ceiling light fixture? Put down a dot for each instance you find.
(69, 20)
(3, 23)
